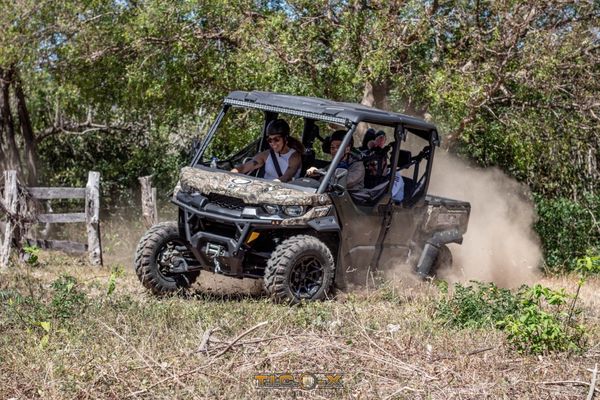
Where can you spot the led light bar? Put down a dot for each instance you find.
(303, 114)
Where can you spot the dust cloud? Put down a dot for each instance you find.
(500, 245)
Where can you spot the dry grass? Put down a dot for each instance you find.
(385, 342)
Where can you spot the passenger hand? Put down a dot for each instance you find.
(312, 171)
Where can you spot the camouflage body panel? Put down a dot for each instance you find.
(313, 213)
(249, 189)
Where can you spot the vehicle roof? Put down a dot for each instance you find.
(330, 111)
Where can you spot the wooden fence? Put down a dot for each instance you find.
(16, 215)
(148, 193)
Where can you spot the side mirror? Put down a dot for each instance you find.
(339, 179)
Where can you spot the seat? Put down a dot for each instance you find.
(376, 159)
(369, 197)
(404, 159)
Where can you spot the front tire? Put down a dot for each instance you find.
(300, 268)
(154, 257)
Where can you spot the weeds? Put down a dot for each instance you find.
(543, 324)
(116, 272)
(537, 319)
(480, 305)
(589, 264)
(31, 255)
(67, 300)
(118, 340)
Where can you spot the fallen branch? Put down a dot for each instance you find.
(253, 341)
(472, 353)
(402, 389)
(577, 383)
(241, 335)
(197, 369)
(205, 339)
(269, 339)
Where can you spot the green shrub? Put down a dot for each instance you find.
(544, 323)
(588, 264)
(479, 305)
(568, 230)
(116, 272)
(537, 320)
(31, 255)
(67, 300)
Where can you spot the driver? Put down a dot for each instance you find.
(356, 169)
(282, 161)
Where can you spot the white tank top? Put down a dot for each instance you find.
(283, 160)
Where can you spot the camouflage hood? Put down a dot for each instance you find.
(251, 190)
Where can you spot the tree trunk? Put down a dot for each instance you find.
(31, 157)
(376, 95)
(8, 125)
(3, 163)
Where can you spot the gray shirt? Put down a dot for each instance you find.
(355, 179)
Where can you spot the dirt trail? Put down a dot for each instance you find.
(120, 237)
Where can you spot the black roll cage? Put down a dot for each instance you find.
(400, 133)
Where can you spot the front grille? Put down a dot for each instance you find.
(231, 203)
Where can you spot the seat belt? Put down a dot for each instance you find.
(276, 163)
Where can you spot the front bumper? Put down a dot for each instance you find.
(223, 250)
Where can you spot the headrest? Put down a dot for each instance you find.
(404, 158)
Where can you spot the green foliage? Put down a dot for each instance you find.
(479, 305)
(313, 314)
(568, 229)
(23, 310)
(542, 324)
(67, 301)
(137, 156)
(537, 320)
(31, 255)
(45, 325)
(588, 264)
(117, 271)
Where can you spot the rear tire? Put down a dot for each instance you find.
(300, 268)
(153, 260)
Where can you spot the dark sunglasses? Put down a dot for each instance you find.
(275, 139)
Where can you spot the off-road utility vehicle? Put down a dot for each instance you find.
(307, 236)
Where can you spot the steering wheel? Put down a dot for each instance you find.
(306, 182)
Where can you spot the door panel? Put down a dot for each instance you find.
(360, 230)
(397, 249)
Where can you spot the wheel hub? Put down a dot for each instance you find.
(306, 278)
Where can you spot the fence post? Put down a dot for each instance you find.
(149, 211)
(10, 202)
(92, 217)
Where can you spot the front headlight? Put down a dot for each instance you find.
(294, 211)
(271, 209)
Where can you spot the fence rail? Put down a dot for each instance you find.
(15, 214)
(52, 193)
